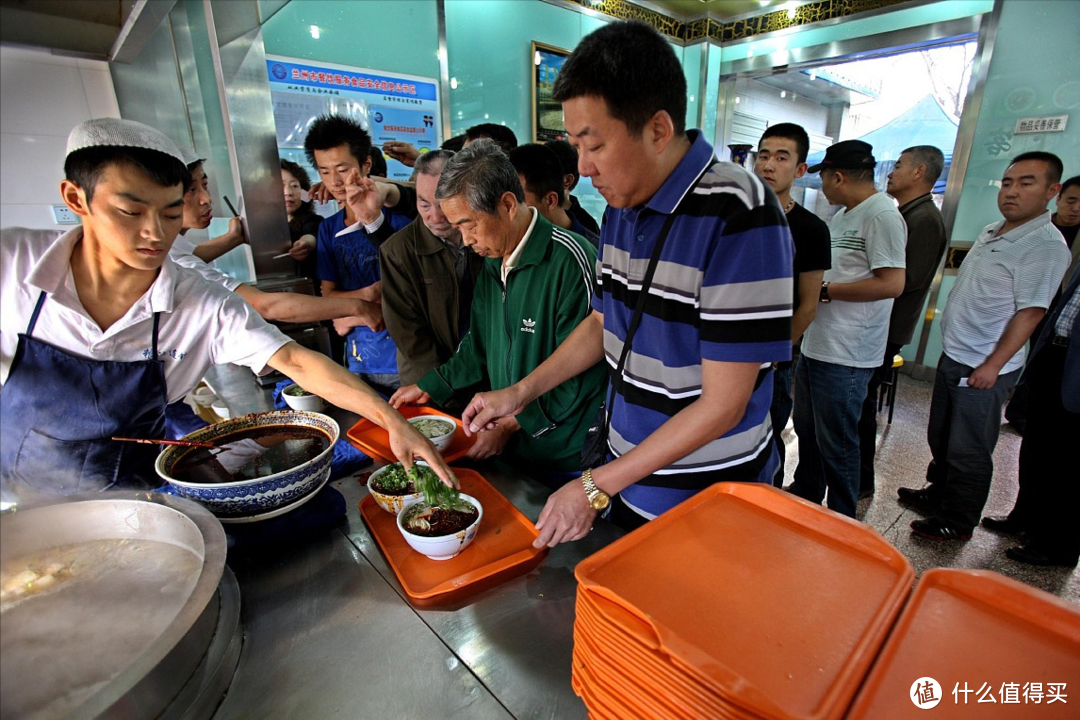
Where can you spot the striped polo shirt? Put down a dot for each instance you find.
(1000, 276)
(722, 291)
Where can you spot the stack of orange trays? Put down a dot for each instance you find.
(742, 602)
(975, 644)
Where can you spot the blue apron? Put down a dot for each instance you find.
(60, 411)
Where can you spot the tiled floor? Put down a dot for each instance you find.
(902, 457)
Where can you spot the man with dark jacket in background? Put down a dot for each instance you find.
(568, 158)
(428, 278)
(911, 184)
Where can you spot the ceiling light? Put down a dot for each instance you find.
(736, 99)
(315, 32)
(783, 94)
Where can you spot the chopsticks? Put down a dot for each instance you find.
(184, 443)
(235, 214)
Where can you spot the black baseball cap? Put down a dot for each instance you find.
(846, 155)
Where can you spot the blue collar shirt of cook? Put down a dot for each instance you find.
(202, 323)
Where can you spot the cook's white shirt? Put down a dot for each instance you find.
(202, 323)
(183, 254)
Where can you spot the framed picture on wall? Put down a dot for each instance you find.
(547, 61)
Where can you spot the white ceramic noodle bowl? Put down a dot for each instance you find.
(307, 403)
(441, 442)
(446, 546)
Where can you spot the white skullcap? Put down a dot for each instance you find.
(120, 133)
(189, 156)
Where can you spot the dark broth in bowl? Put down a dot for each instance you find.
(250, 454)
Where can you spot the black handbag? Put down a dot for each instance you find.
(594, 451)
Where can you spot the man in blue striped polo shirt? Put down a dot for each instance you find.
(691, 407)
(1004, 286)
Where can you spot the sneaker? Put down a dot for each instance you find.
(937, 529)
(925, 499)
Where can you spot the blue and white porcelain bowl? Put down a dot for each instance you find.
(258, 495)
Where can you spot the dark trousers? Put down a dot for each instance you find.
(1049, 495)
(780, 410)
(962, 433)
(868, 420)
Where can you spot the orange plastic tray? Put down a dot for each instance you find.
(614, 651)
(975, 627)
(701, 585)
(502, 548)
(373, 440)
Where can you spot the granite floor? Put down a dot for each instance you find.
(902, 457)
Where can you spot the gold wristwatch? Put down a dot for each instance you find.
(598, 499)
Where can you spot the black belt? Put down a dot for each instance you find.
(1060, 340)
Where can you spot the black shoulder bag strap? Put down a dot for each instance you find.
(596, 446)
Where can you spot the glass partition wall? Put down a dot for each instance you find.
(893, 100)
(894, 89)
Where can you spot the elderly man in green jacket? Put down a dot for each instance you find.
(534, 289)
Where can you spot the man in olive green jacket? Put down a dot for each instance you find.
(534, 289)
(427, 280)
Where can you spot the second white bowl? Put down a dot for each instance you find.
(443, 547)
(303, 403)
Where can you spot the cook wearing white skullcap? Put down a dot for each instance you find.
(100, 331)
(189, 156)
(115, 132)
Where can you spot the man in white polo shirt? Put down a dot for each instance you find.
(1004, 286)
(845, 343)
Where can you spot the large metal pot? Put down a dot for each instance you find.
(129, 618)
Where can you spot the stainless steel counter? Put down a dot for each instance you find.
(328, 632)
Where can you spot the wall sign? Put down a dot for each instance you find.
(1055, 123)
(390, 106)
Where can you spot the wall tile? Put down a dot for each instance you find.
(32, 167)
(40, 98)
(16, 54)
(31, 216)
(100, 96)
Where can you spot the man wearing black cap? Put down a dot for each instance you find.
(846, 341)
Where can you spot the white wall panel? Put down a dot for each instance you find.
(42, 97)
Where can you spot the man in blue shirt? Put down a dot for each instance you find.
(691, 405)
(348, 242)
